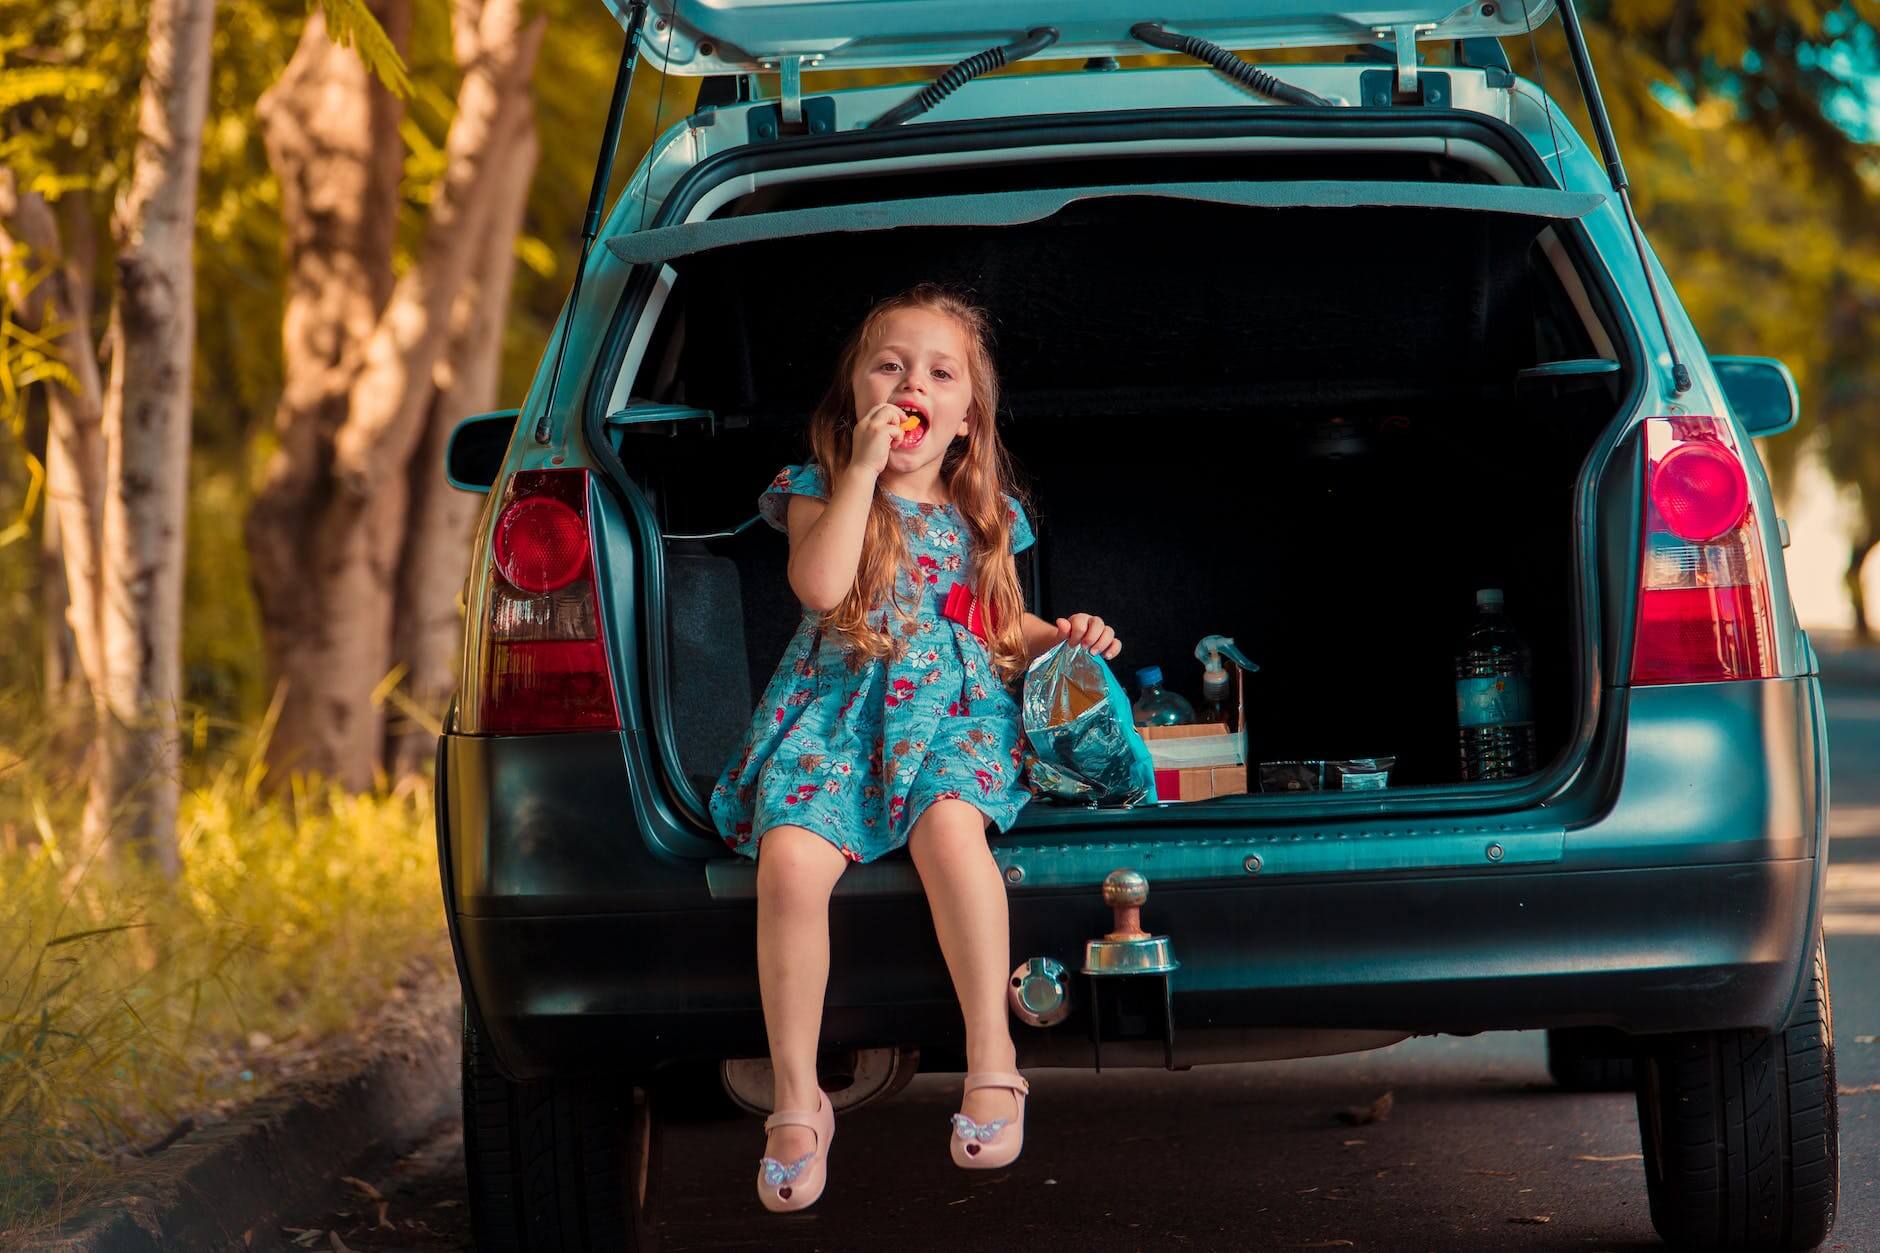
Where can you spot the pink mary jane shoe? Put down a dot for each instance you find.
(796, 1185)
(996, 1143)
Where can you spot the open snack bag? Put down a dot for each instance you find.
(1078, 728)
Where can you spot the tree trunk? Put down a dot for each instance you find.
(1856, 596)
(60, 301)
(331, 132)
(330, 635)
(134, 788)
(428, 626)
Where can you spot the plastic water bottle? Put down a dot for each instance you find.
(1494, 714)
(1157, 706)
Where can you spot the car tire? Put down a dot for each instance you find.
(1591, 1061)
(1740, 1132)
(556, 1164)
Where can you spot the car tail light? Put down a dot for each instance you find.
(1703, 587)
(545, 662)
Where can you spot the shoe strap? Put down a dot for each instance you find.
(811, 1118)
(998, 1079)
(793, 1118)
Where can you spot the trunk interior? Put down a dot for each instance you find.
(1298, 428)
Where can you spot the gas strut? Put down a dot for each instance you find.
(1226, 62)
(972, 67)
(1615, 171)
(597, 196)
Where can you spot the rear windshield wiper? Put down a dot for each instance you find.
(1226, 62)
(972, 67)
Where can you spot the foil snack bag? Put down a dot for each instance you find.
(1077, 725)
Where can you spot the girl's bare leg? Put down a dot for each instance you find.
(796, 871)
(967, 896)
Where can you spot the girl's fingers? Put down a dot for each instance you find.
(1116, 646)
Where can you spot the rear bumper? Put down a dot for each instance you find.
(1684, 898)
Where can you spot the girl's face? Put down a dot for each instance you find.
(919, 362)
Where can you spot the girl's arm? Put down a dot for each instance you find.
(826, 536)
(826, 540)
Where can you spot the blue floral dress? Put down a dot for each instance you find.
(856, 748)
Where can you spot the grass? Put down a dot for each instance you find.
(128, 1003)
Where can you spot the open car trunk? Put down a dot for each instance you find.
(1301, 428)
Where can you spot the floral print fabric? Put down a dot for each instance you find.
(856, 748)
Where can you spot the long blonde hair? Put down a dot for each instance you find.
(977, 473)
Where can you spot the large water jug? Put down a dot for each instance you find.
(1494, 713)
(1157, 706)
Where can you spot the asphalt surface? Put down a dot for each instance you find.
(1479, 1151)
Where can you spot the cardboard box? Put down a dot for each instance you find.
(1199, 760)
(1200, 784)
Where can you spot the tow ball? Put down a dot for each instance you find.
(1129, 971)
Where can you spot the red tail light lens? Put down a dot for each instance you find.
(544, 665)
(541, 544)
(1704, 589)
(1700, 491)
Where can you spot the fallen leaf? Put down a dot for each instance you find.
(305, 1236)
(1376, 1111)
(1859, 1090)
(446, 1204)
(370, 1191)
(1349, 1143)
(1498, 1174)
(1304, 1191)
(383, 1206)
(1533, 1220)
(339, 1245)
(1608, 1157)
(1867, 1039)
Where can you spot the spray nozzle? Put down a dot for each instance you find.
(1213, 648)
(1212, 652)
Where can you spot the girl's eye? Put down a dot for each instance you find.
(943, 374)
(889, 365)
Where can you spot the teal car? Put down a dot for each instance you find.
(1304, 355)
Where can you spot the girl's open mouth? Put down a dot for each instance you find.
(914, 429)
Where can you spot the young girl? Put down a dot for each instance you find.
(892, 718)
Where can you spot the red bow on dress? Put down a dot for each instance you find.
(964, 607)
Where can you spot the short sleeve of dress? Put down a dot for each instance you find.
(774, 504)
(1021, 526)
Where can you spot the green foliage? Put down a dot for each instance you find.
(352, 24)
(126, 1004)
(1756, 186)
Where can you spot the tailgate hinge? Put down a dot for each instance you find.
(792, 115)
(1406, 84)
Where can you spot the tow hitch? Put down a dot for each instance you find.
(1128, 971)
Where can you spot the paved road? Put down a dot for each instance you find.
(1479, 1153)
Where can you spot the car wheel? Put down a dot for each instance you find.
(556, 1164)
(1740, 1132)
(1591, 1061)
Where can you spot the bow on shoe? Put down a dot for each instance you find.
(776, 1173)
(966, 1129)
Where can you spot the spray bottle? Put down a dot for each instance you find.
(1216, 699)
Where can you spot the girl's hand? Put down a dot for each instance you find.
(1088, 629)
(875, 436)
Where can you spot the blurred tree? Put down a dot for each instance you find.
(123, 474)
(329, 521)
(1749, 136)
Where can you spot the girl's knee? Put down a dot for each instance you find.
(949, 825)
(797, 858)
